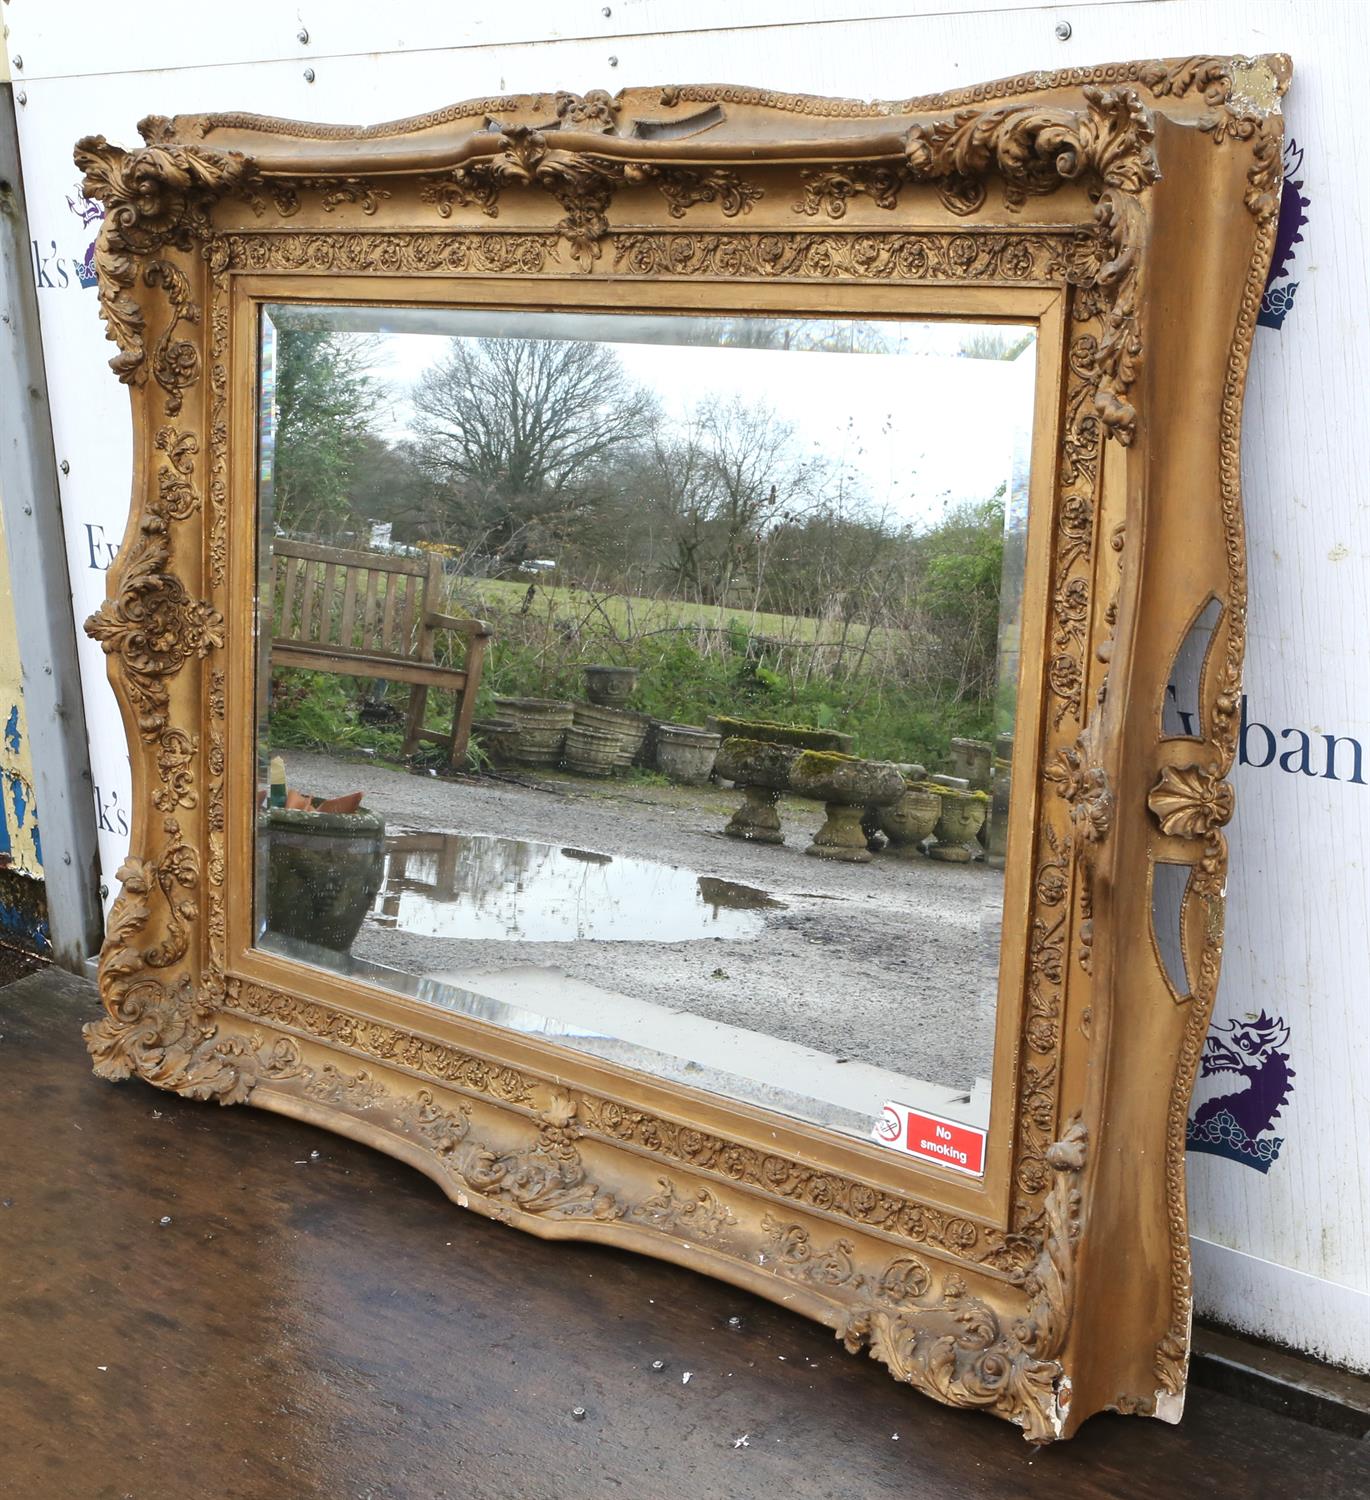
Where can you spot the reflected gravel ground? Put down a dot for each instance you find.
(892, 963)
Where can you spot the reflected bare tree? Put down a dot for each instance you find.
(519, 432)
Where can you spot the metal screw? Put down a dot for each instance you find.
(21, 97)
(164, 1220)
(608, 11)
(309, 75)
(578, 1412)
(613, 62)
(1063, 31)
(658, 1364)
(734, 1321)
(65, 467)
(303, 35)
(66, 859)
(18, 63)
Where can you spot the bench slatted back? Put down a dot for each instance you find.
(368, 602)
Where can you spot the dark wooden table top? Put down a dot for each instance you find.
(317, 1320)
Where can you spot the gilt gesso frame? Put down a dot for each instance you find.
(1129, 212)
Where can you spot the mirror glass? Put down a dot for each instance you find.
(648, 683)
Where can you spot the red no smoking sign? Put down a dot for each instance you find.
(932, 1138)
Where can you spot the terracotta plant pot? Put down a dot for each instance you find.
(909, 821)
(846, 786)
(610, 687)
(762, 771)
(322, 873)
(590, 752)
(960, 820)
(685, 754)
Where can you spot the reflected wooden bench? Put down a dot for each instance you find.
(370, 614)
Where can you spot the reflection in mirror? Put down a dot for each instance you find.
(1169, 882)
(648, 683)
(1180, 708)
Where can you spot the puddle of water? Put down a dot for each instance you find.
(478, 886)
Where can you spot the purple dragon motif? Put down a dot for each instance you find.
(1279, 292)
(89, 213)
(1233, 1123)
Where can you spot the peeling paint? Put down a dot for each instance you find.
(18, 801)
(24, 912)
(23, 903)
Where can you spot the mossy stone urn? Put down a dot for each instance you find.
(323, 871)
(846, 785)
(761, 771)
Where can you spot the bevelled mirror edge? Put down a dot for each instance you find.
(986, 1197)
(1072, 178)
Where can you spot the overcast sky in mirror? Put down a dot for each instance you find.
(909, 424)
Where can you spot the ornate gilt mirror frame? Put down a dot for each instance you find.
(1128, 212)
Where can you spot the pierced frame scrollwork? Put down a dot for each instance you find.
(1040, 182)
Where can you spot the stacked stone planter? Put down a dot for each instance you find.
(629, 729)
(591, 752)
(538, 736)
(971, 761)
(610, 687)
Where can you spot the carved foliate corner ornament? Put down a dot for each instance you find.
(1031, 199)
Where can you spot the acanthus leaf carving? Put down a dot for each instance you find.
(154, 197)
(956, 1347)
(1244, 96)
(547, 1178)
(153, 626)
(164, 1029)
(584, 185)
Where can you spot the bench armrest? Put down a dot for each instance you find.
(452, 622)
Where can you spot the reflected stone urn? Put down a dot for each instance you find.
(960, 820)
(908, 822)
(761, 771)
(846, 785)
(323, 871)
(610, 687)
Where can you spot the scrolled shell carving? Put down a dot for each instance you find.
(1191, 802)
